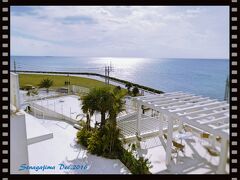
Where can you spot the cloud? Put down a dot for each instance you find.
(151, 31)
(78, 20)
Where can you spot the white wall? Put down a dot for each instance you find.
(18, 143)
(14, 90)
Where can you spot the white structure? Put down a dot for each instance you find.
(65, 108)
(211, 116)
(78, 89)
(173, 111)
(18, 136)
(14, 90)
(18, 142)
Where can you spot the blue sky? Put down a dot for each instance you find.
(121, 31)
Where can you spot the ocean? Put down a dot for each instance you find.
(206, 77)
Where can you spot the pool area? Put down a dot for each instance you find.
(65, 107)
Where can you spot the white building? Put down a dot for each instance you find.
(18, 133)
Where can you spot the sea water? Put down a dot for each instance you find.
(205, 77)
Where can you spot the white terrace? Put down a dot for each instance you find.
(177, 110)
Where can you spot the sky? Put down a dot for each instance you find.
(121, 31)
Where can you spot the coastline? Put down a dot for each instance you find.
(113, 81)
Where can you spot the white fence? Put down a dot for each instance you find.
(78, 89)
(50, 113)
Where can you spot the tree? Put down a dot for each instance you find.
(135, 91)
(105, 101)
(128, 86)
(89, 106)
(46, 83)
(117, 106)
(97, 100)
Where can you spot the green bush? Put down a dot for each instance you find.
(102, 142)
(105, 142)
(142, 166)
(95, 143)
(135, 91)
(82, 137)
(135, 165)
(111, 141)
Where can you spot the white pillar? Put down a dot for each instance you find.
(180, 125)
(139, 111)
(161, 116)
(169, 140)
(213, 140)
(223, 156)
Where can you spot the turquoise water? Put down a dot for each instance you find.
(199, 76)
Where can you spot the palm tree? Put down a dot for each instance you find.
(118, 104)
(46, 83)
(88, 107)
(104, 101)
(97, 100)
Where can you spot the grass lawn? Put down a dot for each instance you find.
(58, 80)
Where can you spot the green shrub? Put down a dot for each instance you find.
(111, 141)
(135, 91)
(82, 137)
(142, 166)
(105, 142)
(95, 143)
(127, 158)
(135, 165)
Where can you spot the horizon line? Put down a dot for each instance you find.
(120, 57)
